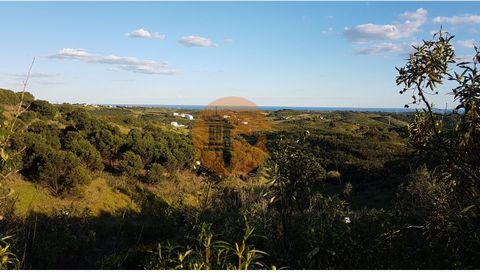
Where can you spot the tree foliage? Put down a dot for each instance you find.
(44, 108)
(62, 172)
(131, 164)
(447, 205)
(75, 142)
(156, 173)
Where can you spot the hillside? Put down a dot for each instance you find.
(115, 183)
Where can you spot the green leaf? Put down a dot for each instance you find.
(467, 209)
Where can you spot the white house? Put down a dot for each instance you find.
(189, 116)
(175, 124)
(175, 114)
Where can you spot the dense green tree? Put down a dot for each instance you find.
(75, 142)
(66, 108)
(181, 149)
(35, 154)
(9, 97)
(80, 119)
(44, 108)
(131, 164)
(142, 144)
(107, 142)
(50, 132)
(62, 172)
(166, 148)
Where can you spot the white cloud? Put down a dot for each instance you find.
(33, 75)
(196, 41)
(158, 36)
(457, 20)
(380, 48)
(412, 21)
(328, 30)
(145, 34)
(124, 63)
(36, 78)
(466, 43)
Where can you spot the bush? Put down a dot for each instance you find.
(76, 143)
(131, 164)
(36, 153)
(27, 116)
(108, 142)
(9, 97)
(50, 132)
(142, 144)
(156, 173)
(66, 108)
(62, 172)
(44, 108)
(156, 146)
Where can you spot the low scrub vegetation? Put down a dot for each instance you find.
(118, 188)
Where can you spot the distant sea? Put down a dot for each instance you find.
(276, 108)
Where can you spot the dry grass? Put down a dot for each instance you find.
(185, 189)
(98, 197)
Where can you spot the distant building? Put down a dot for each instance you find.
(175, 124)
(183, 115)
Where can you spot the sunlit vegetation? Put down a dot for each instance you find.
(88, 187)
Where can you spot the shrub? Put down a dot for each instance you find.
(156, 173)
(62, 172)
(107, 142)
(9, 97)
(76, 143)
(142, 144)
(27, 116)
(36, 153)
(131, 164)
(50, 132)
(44, 108)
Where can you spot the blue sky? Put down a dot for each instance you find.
(272, 53)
